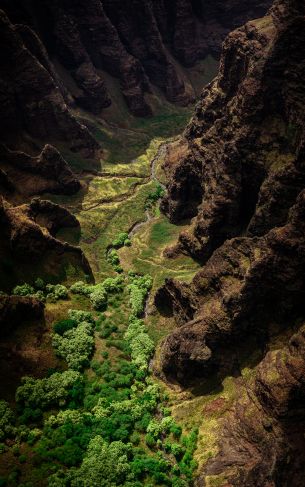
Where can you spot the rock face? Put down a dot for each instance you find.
(133, 41)
(242, 163)
(28, 240)
(261, 438)
(17, 309)
(245, 286)
(242, 171)
(46, 173)
(239, 174)
(31, 102)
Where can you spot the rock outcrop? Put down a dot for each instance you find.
(15, 310)
(32, 105)
(27, 241)
(239, 174)
(133, 41)
(247, 285)
(262, 437)
(242, 163)
(46, 173)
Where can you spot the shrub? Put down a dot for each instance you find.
(80, 287)
(22, 458)
(113, 257)
(141, 345)
(98, 298)
(138, 291)
(56, 291)
(64, 325)
(51, 391)
(113, 284)
(79, 316)
(121, 240)
(150, 441)
(39, 284)
(104, 465)
(154, 196)
(24, 290)
(75, 346)
(7, 421)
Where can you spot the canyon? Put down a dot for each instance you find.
(104, 190)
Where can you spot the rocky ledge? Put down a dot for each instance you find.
(261, 440)
(28, 238)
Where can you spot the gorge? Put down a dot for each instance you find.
(152, 212)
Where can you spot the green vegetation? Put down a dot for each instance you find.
(99, 418)
(98, 294)
(47, 392)
(50, 292)
(121, 240)
(154, 196)
(138, 290)
(75, 345)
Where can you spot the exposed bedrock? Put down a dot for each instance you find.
(240, 165)
(261, 439)
(239, 172)
(46, 173)
(248, 284)
(28, 241)
(134, 41)
(32, 104)
(17, 309)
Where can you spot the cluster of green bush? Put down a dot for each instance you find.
(114, 260)
(98, 294)
(75, 345)
(42, 291)
(47, 392)
(107, 428)
(154, 196)
(121, 240)
(139, 288)
(141, 346)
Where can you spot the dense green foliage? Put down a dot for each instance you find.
(7, 421)
(47, 392)
(154, 196)
(114, 260)
(121, 240)
(98, 294)
(109, 428)
(50, 292)
(138, 290)
(75, 345)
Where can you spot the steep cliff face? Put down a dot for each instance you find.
(29, 247)
(32, 105)
(238, 173)
(133, 41)
(261, 437)
(243, 149)
(29, 175)
(245, 287)
(243, 153)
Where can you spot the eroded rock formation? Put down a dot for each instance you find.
(261, 438)
(28, 240)
(14, 310)
(239, 174)
(242, 163)
(247, 284)
(133, 41)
